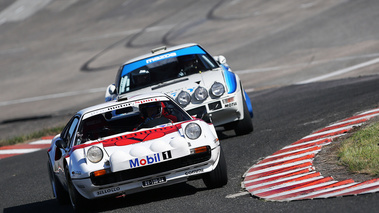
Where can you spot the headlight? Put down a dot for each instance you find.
(94, 154)
(184, 98)
(201, 94)
(217, 89)
(193, 131)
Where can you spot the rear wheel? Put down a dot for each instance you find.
(78, 202)
(244, 126)
(58, 191)
(219, 176)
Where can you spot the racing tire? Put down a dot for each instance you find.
(58, 191)
(219, 176)
(78, 202)
(244, 126)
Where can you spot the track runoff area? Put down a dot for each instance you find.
(286, 175)
(289, 174)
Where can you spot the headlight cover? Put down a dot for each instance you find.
(201, 94)
(95, 154)
(193, 131)
(217, 89)
(184, 98)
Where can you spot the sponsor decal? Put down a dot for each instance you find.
(177, 91)
(196, 171)
(169, 55)
(119, 106)
(108, 191)
(150, 159)
(231, 104)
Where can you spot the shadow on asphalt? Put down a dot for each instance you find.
(106, 204)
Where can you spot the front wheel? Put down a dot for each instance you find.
(58, 191)
(219, 176)
(244, 126)
(78, 202)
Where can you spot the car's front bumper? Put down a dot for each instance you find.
(224, 110)
(119, 183)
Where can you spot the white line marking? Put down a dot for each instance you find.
(274, 168)
(279, 180)
(268, 69)
(52, 96)
(285, 159)
(284, 185)
(350, 121)
(370, 111)
(310, 168)
(296, 150)
(309, 142)
(352, 189)
(301, 189)
(237, 195)
(315, 193)
(41, 142)
(346, 128)
(342, 71)
(17, 151)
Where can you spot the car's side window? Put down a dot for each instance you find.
(69, 130)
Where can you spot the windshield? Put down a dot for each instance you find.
(128, 117)
(165, 67)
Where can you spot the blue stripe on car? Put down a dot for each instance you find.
(248, 103)
(230, 79)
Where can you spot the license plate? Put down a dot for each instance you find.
(152, 182)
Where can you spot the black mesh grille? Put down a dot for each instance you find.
(151, 169)
(198, 112)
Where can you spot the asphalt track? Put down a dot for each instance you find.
(61, 57)
(277, 125)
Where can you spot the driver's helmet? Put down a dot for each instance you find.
(151, 110)
(141, 78)
(188, 61)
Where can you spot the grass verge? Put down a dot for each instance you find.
(33, 136)
(360, 152)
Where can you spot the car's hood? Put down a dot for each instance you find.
(186, 83)
(146, 147)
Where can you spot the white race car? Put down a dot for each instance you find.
(131, 145)
(200, 83)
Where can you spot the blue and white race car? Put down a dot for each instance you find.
(123, 147)
(200, 83)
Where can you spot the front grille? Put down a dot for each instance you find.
(198, 112)
(151, 169)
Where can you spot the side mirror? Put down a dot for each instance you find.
(220, 59)
(60, 144)
(110, 93)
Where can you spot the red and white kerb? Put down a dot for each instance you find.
(288, 174)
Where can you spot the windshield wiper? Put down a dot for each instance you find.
(168, 83)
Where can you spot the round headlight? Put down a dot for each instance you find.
(94, 154)
(217, 89)
(201, 94)
(193, 131)
(184, 98)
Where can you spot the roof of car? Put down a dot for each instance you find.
(162, 51)
(115, 102)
